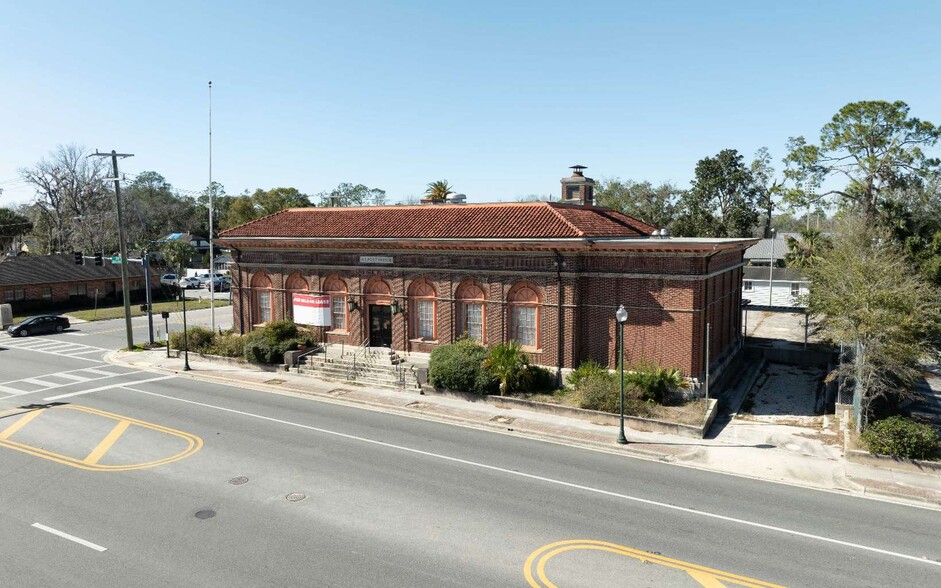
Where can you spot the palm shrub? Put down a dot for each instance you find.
(458, 366)
(655, 382)
(901, 437)
(585, 370)
(507, 362)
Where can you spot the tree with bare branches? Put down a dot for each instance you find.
(72, 208)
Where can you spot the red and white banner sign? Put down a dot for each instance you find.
(311, 310)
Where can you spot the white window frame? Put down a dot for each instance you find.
(338, 312)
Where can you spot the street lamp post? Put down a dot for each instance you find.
(186, 346)
(621, 316)
(771, 273)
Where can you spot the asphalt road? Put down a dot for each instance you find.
(133, 478)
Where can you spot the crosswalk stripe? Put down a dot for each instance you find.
(38, 382)
(101, 372)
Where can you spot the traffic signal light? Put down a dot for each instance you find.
(98, 259)
(78, 257)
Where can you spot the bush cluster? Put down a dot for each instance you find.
(458, 367)
(602, 392)
(901, 437)
(199, 340)
(268, 344)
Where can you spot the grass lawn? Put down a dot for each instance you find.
(113, 312)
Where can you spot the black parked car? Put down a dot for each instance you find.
(35, 325)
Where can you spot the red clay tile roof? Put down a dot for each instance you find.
(529, 220)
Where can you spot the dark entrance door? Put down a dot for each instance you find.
(380, 325)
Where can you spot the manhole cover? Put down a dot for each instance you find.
(295, 497)
(206, 513)
(238, 481)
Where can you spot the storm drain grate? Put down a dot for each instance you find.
(238, 481)
(295, 497)
(206, 513)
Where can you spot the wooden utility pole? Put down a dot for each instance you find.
(122, 242)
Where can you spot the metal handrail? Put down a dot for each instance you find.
(318, 347)
(351, 373)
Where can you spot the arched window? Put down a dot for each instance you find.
(471, 311)
(261, 292)
(335, 287)
(423, 306)
(523, 308)
(294, 283)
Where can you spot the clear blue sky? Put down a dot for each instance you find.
(499, 98)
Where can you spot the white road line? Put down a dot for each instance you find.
(69, 374)
(71, 377)
(109, 387)
(98, 371)
(76, 334)
(38, 382)
(689, 511)
(73, 354)
(42, 527)
(53, 386)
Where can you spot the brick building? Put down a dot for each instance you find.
(46, 282)
(548, 274)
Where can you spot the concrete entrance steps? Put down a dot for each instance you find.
(373, 366)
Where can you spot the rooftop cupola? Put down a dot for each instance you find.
(578, 189)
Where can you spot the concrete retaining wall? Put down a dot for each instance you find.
(893, 463)
(594, 416)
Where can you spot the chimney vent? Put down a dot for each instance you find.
(578, 189)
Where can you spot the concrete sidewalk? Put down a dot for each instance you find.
(768, 451)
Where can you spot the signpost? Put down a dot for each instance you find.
(115, 259)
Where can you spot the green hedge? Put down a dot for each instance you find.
(901, 437)
(458, 367)
(199, 340)
(268, 344)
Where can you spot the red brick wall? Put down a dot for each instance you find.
(668, 297)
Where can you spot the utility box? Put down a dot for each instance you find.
(6, 315)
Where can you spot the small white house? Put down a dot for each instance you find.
(779, 287)
(764, 286)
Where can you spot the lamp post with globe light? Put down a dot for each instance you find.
(621, 316)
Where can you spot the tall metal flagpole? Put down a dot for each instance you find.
(212, 255)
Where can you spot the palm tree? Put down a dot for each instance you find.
(507, 362)
(808, 250)
(437, 190)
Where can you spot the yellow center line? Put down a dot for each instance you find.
(19, 424)
(106, 443)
